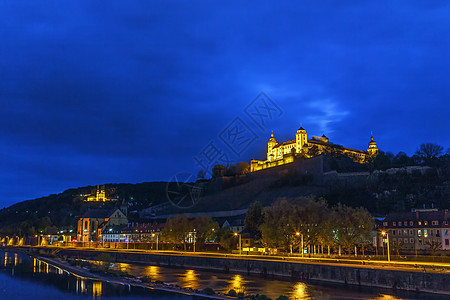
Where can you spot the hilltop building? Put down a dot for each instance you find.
(100, 196)
(286, 152)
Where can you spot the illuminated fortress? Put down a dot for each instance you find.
(280, 154)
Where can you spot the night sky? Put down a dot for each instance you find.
(96, 92)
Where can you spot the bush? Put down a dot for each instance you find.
(282, 297)
(232, 293)
(262, 297)
(208, 291)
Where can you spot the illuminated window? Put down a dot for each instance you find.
(425, 223)
(394, 223)
(445, 231)
(425, 233)
(420, 222)
(419, 232)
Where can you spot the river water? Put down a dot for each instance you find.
(23, 277)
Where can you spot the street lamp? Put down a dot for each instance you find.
(240, 242)
(153, 235)
(384, 233)
(301, 234)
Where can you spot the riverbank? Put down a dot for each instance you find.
(85, 274)
(384, 276)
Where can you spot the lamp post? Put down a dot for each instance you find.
(384, 233)
(301, 234)
(240, 242)
(153, 235)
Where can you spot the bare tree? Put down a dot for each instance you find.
(429, 151)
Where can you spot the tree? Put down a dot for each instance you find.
(353, 226)
(401, 160)
(253, 220)
(176, 229)
(434, 245)
(275, 230)
(308, 216)
(201, 174)
(242, 168)
(226, 238)
(204, 227)
(383, 161)
(428, 152)
(218, 171)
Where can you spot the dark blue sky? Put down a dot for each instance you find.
(130, 91)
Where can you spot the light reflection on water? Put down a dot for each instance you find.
(188, 278)
(44, 281)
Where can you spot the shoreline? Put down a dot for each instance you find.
(81, 273)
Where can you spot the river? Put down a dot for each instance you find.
(24, 277)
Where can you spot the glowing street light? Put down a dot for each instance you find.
(384, 233)
(240, 242)
(153, 235)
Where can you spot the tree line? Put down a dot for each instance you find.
(286, 223)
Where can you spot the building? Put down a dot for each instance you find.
(92, 223)
(420, 229)
(100, 196)
(139, 233)
(301, 146)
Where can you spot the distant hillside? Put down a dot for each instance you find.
(64, 209)
(335, 179)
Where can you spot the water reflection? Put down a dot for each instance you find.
(190, 279)
(50, 282)
(385, 297)
(152, 272)
(300, 291)
(97, 290)
(237, 284)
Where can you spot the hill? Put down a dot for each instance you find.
(335, 179)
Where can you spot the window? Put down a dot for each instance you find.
(446, 242)
(419, 232)
(411, 223)
(399, 232)
(394, 223)
(405, 241)
(399, 223)
(425, 233)
(393, 232)
(445, 231)
(411, 241)
(438, 233)
(420, 222)
(394, 240)
(434, 222)
(411, 232)
(385, 223)
(425, 223)
(431, 232)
